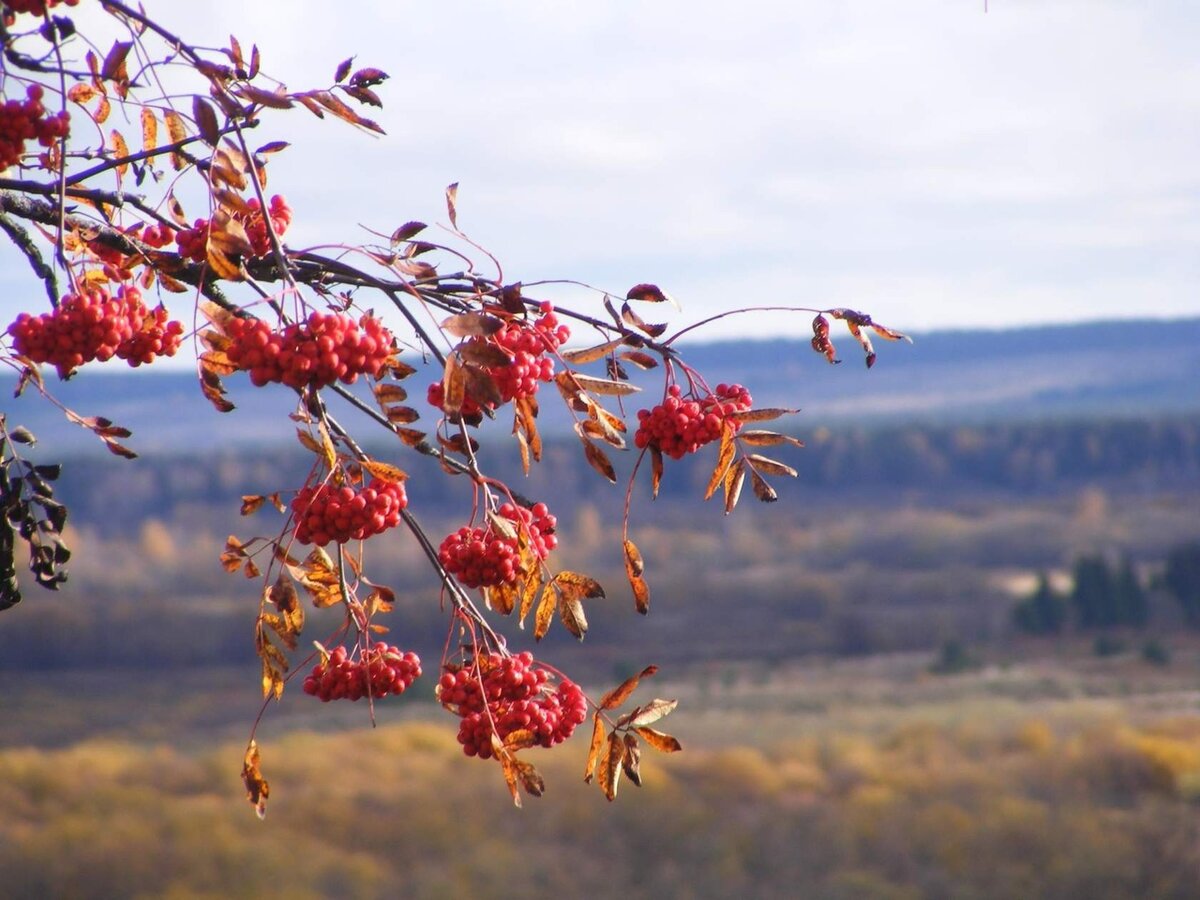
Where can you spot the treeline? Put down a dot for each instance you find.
(939, 461)
(1031, 810)
(1107, 595)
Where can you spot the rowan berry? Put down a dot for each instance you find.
(530, 344)
(325, 512)
(485, 557)
(94, 325)
(378, 671)
(502, 694)
(679, 426)
(315, 352)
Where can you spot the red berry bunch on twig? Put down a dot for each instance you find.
(530, 345)
(503, 694)
(193, 242)
(96, 325)
(316, 352)
(484, 557)
(327, 513)
(26, 120)
(380, 670)
(678, 427)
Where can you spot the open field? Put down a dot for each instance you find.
(859, 778)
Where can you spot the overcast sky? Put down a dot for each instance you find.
(921, 160)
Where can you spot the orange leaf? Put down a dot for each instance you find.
(257, 789)
(724, 460)
(599, 461)
(471, 324)
(621, 692)
(610, 766)
(664, 743)
(149, 129)
(596, 747)
(734, 480)
(384, 471)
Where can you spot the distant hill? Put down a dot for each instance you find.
(1101, 369)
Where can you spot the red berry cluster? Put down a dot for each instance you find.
(483, 557)
(530, 344)
(26, 120)
(156, 336)
(322, 349)
(379, 671)
(678, 426)
(193, 242)
(503, 694)
(94, 325)
(158, 235)
(256, 227)
(327, 513)
(37, 7)
(116, 264)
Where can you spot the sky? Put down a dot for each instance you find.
(930, 163)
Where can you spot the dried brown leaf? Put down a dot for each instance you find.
(257, 789)
(760, 415)
(610, 766)
(452, 203)
(631, 761)
(757, 438)
(661, 742)
(643, 361)
(652, 712)
(656, 470)
(762, 490)
(604, 385)
(570, 611)
(632, 318)
(206, 120)
(545, 611)
(734, 479)
(599, 461)
(770, 465)
(120, 150)
(390, 393)
(622, 692)
(724, 460)
(596, 747)
(384, 471)
(591, 354)
(471, 324)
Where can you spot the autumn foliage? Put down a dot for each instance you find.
(101, 214)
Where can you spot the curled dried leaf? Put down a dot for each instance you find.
(661, 742)
(594, 751)
(631, 761)
(599, 461)
(257, 789)
(762, 490)
(770, 465)
(621, 692)
(591, 354)
(653, 711)
(471, 324)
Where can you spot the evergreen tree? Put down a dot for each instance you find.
(1094, 594)
(1042, 612)
(1182, 579)
(1132, 605)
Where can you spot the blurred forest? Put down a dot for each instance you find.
(865, 711)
